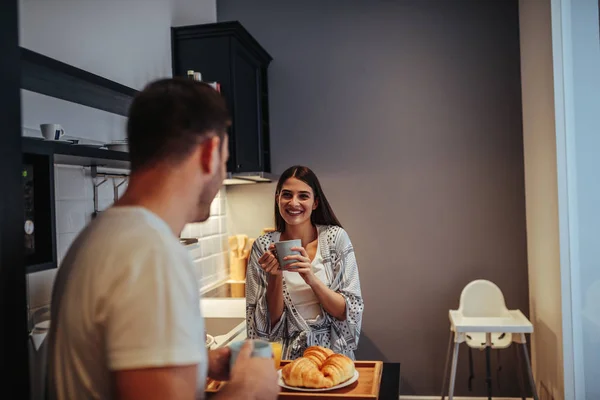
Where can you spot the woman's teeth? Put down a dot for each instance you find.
(294, 212)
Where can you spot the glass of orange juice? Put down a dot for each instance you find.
(277, 347)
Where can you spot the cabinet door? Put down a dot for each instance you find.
(211, 57)
(247, 124)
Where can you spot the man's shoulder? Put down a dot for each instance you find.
(119, 237)
(124, 231)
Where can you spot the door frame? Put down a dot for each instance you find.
(14, 355)
(567, 88)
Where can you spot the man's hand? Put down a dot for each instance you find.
(218, 363)
(252, 378)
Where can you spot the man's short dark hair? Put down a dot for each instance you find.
(169, 117)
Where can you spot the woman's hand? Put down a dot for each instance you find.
(303, 265)
(268, 262)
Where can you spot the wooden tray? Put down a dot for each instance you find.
(366, 388)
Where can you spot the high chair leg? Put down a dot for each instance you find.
(448, 353)
(520, 374)
(453, 371)
(529, 372)
(488, 372)
(471, 371)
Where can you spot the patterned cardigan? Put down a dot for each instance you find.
(297, 334)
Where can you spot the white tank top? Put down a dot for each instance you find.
(303, 297)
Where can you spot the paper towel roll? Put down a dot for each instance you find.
(37, 359)
(38, 339)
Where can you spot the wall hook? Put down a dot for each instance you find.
(105, 177)
(116, 187)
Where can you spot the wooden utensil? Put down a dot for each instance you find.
(233, 244)
(237, 268)
(238, 260)
(241, 240)
(248, 248)
(268, 230)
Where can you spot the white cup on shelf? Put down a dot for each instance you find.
(52, 131)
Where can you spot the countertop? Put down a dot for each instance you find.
(390, 382)
(236, 334)
(223, 305)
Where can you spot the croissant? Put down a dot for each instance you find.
(318, 368)
(338, 368)
(317, 354)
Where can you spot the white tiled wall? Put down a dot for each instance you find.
(211, 255)
(75, 205)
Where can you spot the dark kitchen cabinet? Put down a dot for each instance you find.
(226, 53)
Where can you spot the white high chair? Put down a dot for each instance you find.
(483, 321)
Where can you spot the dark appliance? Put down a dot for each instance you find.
(37, 175)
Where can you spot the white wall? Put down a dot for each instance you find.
(541, 196)
(127, 41)
(250, 208)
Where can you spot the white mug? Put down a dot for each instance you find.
(52, 131)
(284, 249)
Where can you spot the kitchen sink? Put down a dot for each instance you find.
(221, 326)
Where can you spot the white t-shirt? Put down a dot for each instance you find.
(303, 297)
(125, 297)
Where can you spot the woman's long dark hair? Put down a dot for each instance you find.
(323, 214)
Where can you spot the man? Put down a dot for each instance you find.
(126, 321)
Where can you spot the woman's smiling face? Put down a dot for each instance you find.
(296, 202)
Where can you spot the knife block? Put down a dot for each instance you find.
(237, 267)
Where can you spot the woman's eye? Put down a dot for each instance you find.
(286, 195)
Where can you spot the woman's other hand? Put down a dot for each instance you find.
(268, 262)
(302, 265)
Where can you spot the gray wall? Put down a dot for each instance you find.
(410, 113)
(190, 12)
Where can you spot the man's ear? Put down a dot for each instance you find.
(209, 154)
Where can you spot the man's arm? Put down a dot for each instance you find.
(174, 383)
(178, 383)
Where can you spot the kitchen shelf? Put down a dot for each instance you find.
(45, 75)
(70, 154)
(50, 77)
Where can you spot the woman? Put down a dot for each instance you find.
(316, 300)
